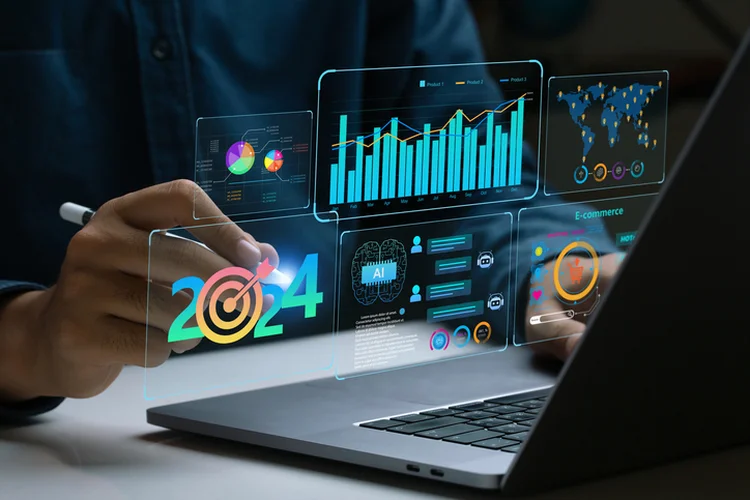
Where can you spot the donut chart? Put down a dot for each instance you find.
(440, 340)
(240, 158)
(274, 160)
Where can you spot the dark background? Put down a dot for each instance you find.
(693, 40)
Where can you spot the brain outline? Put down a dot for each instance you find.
(372, 252)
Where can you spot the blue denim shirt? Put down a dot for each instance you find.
(99, 98)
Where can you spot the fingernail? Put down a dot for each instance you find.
(248, 254)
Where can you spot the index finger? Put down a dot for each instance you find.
(171, 204)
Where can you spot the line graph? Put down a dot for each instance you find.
(418, 133)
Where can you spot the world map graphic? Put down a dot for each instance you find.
(602, 106)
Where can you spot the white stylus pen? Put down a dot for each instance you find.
(78, 214)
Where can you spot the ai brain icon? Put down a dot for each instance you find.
(378, 271)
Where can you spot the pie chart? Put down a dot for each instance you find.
(240, 158)
(273, 160)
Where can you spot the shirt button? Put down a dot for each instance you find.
(161, 49)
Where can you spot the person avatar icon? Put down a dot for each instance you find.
(417, 247)
(415, 295)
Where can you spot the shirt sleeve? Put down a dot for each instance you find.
(21, 410)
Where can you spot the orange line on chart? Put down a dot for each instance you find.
(431, 132)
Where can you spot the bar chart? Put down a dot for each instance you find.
(464, 154)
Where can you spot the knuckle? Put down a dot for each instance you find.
(83, 245)
(111, 206)
(183, 189)
(227, 231)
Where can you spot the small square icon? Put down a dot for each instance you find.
(422, 83)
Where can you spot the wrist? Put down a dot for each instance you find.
(18, 351)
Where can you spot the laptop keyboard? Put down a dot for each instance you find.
(495, 424)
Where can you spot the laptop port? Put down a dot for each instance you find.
(412, 468)
(437, 472)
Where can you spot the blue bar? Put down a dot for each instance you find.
(513, 143)
(473, 164)
(489, 150)
(504, 161)
(441, 163)
(393, 162)
(451, 153)
(358, 169)
(487, 172)
(401, 169)
(498, 153)
(375, 163)
(482, 166)
(519, 145)
(435, 157)
(384, 189)
(457, 160)
(409, 169)
(351, 188)
(334, 197)
(418, 170)
(426, 160)
(342, 158)
(368, 178)
(467, 156)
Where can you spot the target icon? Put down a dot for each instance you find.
(230, 304)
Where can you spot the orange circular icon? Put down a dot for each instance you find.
(600, 172)
(482, 332)
(574, 297)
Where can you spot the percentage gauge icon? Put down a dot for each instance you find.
(232, 299)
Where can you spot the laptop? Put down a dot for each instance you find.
(655, 378)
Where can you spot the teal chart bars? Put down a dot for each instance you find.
(464, 139)
(447, 159)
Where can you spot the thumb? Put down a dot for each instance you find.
(557, 339)
(608, 268)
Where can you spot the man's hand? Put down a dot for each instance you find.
(74, 339)
(567, 332)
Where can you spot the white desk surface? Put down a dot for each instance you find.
(102, 448)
